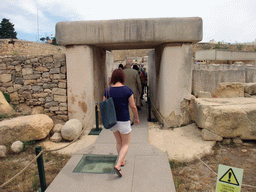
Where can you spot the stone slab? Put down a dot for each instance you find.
(227, 117)
(149, 176)
(130, 33)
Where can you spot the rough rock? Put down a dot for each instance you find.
(237, 140)
(56, 137)
(3, 151)
(37, 110)
(24, 109)
(17, 146)
(5, 108)
(228, 118)
(71, 129)
(209, 136)
(229, 90)
(250, 88)
(203, 94)
(57, 128)
(25, 128)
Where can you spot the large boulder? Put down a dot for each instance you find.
(71, 129)
(250, 88)
(229, 90)
(228, 118)
(5, 108)
(25, 128)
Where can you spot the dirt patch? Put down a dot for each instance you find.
(195, 176)
(187, 151)
(29, 180)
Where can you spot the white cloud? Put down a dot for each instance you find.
(222, 19)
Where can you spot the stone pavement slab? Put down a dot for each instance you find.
(147, 168)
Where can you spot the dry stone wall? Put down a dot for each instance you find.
(36, 81)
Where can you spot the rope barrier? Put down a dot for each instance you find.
(195, 155)
(44, 150)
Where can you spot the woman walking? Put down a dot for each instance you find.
(122, 97)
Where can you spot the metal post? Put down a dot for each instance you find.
(97, 117)
(149, 109)
(40, 165)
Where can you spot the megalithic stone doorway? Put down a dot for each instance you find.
(170, 71)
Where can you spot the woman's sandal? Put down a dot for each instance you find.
(118, 172)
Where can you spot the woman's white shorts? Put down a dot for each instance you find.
(124, 127)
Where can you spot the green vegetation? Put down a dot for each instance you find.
(7, 97)
(175, 164)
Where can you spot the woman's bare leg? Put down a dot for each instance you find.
(125, 142)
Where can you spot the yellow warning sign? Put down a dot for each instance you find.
(229, 179)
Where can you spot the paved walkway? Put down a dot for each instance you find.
(147, 168)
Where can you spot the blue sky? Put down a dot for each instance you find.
(223, 20)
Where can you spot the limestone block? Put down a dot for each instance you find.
(37, 88)
(18, 68)
(38, 95)
(14, 96)
(55, 70)
(3, 151)
(59, 98)
(27, 71)
(25, 128)
(58, 91)
(250, 88)
(228, 118)
(29, 82)
(41, 69)
(4, 78)
(209, 136)
(203, 94)
(5, 108)
(57, 128)
(17, 146)
(237, 140)
(29, 77)
(62, 85)
(71, 129)
(139, 31)
(2, 66)
(229, 90)
(56, 137)
(37, 110)
(54, 108)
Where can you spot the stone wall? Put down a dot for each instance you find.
(207, 77)
(36, 81)
(20, 47)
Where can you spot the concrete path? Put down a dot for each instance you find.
(147, 168)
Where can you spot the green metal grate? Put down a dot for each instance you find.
(101, 164)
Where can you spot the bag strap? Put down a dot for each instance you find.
(107, 92)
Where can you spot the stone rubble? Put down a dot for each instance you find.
(17, 146)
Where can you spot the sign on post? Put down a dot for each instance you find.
(229, 179)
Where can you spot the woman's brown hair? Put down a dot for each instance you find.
(117, 76)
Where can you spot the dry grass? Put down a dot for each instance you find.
(29, 180)
(194, 176)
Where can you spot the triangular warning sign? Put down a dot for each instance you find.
(229, 177)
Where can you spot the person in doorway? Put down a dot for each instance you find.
(132, 80)
(123, 97)
(120, 66)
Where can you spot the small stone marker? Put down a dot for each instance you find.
(229, 179)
